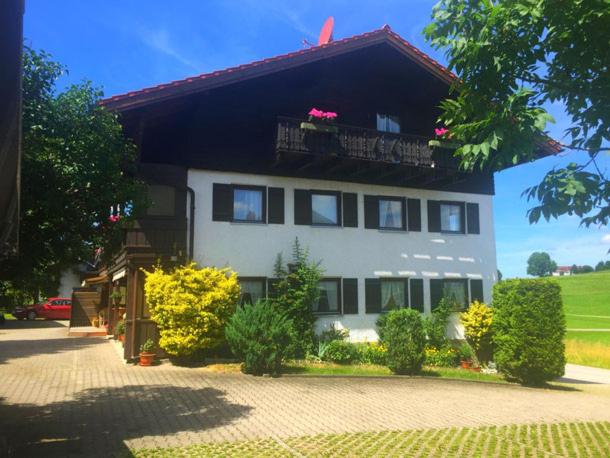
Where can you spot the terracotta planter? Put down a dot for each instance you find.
(146, 359)
(121, 338)
(476, 369)
(464, 364)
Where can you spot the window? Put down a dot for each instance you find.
(247, 204)
(390, 214)
(451, 218)
(392, 294)
(252, 290)
(456, 291)
(328, 302)
(388, 123)
(324, 209)
(162, 200)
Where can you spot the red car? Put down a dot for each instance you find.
(55, 308)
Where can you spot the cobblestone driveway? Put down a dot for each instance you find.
(73, 396)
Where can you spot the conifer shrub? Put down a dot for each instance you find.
(190, 306)
(259, 336)
(405, 340)
(529, 328)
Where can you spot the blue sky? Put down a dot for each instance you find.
(124, 45)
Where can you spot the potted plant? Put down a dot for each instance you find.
(119, 330)
(442, 139)
(320, 121)
(147, 355)
(465, 353)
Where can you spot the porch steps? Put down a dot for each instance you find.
(86, 331)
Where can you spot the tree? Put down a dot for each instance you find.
(512, 57)
(540, 264)
(76, 165)
(293, 294)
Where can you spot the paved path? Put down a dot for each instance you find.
(62, 396)
(585, 374)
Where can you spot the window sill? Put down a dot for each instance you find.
(237, 221)
(326, 225)
(327, 313)
(392, 229)
(453, 233)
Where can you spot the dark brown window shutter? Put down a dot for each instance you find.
(406, 303)
(434, 216)
(472, 218)
(436, 292)
(463, 217)
(414, 214)
(371, 212)
(372, 287)
(222, 202)
(276, 205)
(417, 294)
(476, 291)
(302, 207)
(350, 296)
(350, 209)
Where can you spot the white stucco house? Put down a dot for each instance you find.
(237, 169)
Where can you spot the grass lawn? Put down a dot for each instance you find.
(362, 370)
(588, 351)
(586, 294)
(562, 439)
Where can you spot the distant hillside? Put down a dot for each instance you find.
(586, 294)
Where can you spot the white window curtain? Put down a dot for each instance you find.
(390, 214)
(455, 291)
(451, 218)
(323, 209)
(392, 294)
(388, 123)
(251, 291)
(247, 205)
(329, 297)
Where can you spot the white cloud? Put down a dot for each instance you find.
(606, 238)
(159, 40)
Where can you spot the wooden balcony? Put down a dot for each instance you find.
(162, 235)
(357, 143)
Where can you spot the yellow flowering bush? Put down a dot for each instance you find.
(441, 357)
(477, 321)
(190, 306)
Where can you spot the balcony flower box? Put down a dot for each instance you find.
(443, 144)
(318, 127)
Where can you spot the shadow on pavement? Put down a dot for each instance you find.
(98, 421)
(19, 349)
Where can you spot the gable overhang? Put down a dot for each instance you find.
(192, 85)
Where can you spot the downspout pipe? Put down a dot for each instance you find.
(191, 222)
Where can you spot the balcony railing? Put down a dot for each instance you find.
(354, 143)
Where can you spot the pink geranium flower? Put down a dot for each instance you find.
(114, 218)
(440, 132)
(330, 115)
(316, 113)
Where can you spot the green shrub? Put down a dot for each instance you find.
(405, 339)
(190, 306)
(441, 357)
(435, 325)
(373, 353)
(465, 352)
(380, 323)
(293, 293)
(119, 329)
(529, 327)
(340, 351)
(477, 322)
(259, 337)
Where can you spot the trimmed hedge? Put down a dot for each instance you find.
(529, 327)
(405, 339)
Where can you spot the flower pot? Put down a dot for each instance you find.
(319, 127)
(121, 338)
(443, 144)
(146, 359)
(464, 364)
(476, 369)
